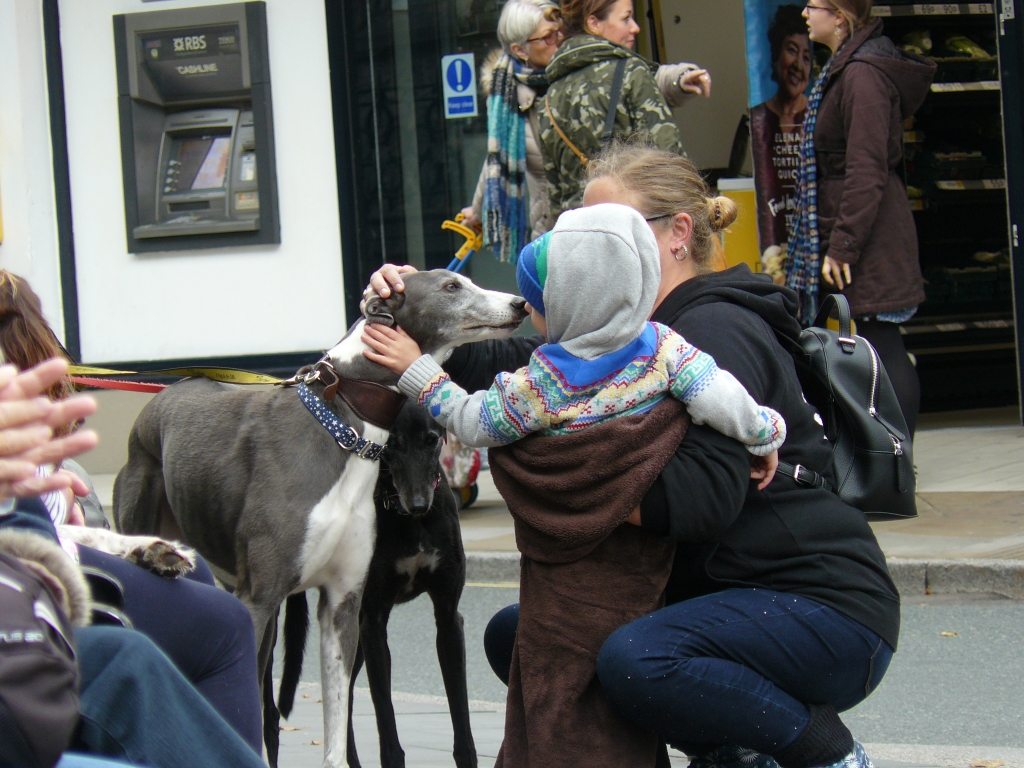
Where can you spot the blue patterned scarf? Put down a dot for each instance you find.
(505, 217)
(803, 266)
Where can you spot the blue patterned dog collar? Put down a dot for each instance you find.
(347, 437)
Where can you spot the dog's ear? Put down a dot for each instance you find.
(381, 311)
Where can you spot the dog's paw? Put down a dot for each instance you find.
(164, 558)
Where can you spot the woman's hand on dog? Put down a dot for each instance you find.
(391, 347)
(385, 279)
(763, 468)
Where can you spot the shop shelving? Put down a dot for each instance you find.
(956, 178)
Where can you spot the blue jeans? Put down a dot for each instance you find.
(739, 667)
(205, 631)
(136, 706)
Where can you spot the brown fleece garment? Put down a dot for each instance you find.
(584, 574)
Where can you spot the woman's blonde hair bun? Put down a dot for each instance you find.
(722, 212)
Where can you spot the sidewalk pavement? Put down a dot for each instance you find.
(425, 731)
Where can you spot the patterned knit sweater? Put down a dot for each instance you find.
(557, 393)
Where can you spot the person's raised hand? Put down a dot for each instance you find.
(391, 347)
(470, 220)
(697, 81)
(27, 423)
(834, 271)
(384, 280)
(763, 468)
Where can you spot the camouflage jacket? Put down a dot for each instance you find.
(581, 76)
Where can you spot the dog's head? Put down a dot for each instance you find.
(442, 309)
(412, 458)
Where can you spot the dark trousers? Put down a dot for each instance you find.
(739, 667)
(205, 631)
(888, 342)
(136, 706)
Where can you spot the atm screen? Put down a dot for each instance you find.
(199, 163)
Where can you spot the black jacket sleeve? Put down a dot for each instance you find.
(701, 490)
(474, 366)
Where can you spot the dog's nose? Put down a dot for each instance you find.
(519, 303)
(419, 510)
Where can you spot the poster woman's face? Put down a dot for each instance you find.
(793, 67)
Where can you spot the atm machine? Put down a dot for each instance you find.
(196, 128)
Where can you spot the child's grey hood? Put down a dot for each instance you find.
(603, 273)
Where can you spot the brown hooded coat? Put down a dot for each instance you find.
(585, 573)
(864, 217)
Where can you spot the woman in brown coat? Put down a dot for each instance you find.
(855, 228)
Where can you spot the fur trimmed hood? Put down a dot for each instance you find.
(57, 570)
(487, 70)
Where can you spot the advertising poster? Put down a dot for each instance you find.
(780, 65)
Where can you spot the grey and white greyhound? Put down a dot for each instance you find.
(256, 483)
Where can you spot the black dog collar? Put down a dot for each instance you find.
(347, 437)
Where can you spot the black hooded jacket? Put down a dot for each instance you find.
(788, 537)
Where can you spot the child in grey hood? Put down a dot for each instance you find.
(591, 284)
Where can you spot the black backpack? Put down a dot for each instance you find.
(843, 377)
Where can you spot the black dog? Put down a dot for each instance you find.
(418, 549)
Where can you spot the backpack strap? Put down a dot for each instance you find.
(613, 101)
(804, 476)
(583, 158)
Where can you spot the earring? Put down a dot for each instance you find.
(686, 252)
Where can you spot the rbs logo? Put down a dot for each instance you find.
(192, 43)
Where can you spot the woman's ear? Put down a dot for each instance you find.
(518, 52)
(682, 229)
(592, 26)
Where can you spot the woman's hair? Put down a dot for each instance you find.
(664, 184)
(519, 18)
(576, 12)
(788, 21)
(856, 13)
(26, 339)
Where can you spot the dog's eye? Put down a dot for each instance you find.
(452, 286)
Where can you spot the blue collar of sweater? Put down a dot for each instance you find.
(581, 373)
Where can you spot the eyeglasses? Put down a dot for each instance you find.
(553, 37)
(819, 8)
(659, 218)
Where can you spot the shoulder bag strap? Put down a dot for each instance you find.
(613, 102)
(583, 158)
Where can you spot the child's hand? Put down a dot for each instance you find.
(391, 347)
(763, 468)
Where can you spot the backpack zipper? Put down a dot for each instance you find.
(874, 382)
(897, 446)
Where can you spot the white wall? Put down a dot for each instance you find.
(234, 301)
(710, 33)
(29, 246)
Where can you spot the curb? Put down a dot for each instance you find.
(912, 576)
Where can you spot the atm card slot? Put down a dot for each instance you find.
(194, 205)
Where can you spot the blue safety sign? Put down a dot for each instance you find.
(458, 79)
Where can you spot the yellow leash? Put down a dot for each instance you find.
(226, 375)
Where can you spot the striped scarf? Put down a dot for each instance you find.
(505, 217)
(803, 266)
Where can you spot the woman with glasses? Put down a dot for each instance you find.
(855, 228)
(511, 203)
